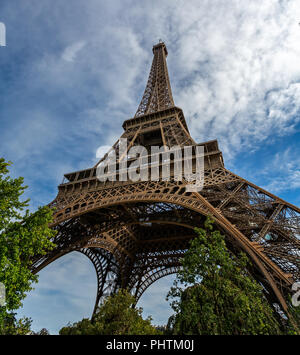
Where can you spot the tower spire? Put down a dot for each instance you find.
(158, 93)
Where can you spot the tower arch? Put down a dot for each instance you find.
(112, 222)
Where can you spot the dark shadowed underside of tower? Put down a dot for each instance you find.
(135, 232)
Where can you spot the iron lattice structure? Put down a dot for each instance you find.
(136, 232)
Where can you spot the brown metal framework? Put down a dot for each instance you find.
(136, 232)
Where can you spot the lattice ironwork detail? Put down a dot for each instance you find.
(158, 94)
(136, 232)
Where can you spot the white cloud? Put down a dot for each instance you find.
(102, 150)
(235, 56)
(227, 62)
(70, 52)
(282, 173)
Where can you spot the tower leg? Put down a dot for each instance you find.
(107, 271)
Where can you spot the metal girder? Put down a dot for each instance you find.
(158, 94)
(136, 232)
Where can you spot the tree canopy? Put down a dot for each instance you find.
(218, 296)
(115, 316)
(22, 236)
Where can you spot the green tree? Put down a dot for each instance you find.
(292, 325)
(10, 325)
(218, 295)
(22, 235)
(43, 331)
(115, 316)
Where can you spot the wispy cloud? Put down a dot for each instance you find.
(283, 172)
(70, 53)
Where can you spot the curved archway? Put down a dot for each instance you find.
(195, 203)
(153, 300)
(65, 293)
(152, 277)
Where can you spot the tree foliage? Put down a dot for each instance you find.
(116, 316)
(43, 331)
(22, 235)
(292, 326)
(10, 325)
(218, 295)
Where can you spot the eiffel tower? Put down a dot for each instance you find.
(135, 232)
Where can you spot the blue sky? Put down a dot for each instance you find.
(73, 71)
